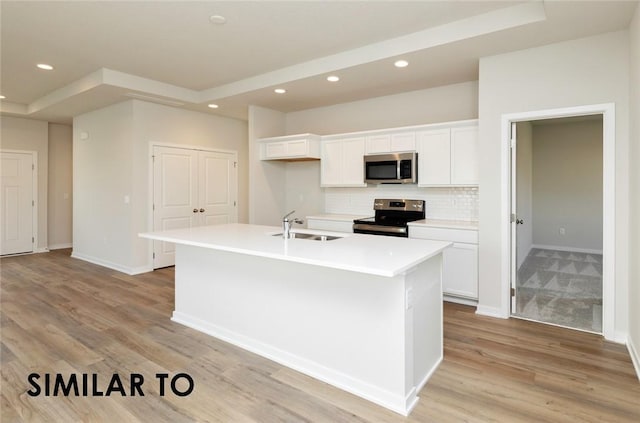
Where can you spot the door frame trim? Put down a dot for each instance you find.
(150, 187)
(34, 190)
(607, 110)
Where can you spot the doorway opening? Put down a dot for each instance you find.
(557, 185)
(555, 253)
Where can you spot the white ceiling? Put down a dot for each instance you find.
(105, 51)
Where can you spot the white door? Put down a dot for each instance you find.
(218, 182)
(175, 196)
(191, 188)
(17, 203)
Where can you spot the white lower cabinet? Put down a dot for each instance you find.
(330, 224)
(459, 262)
(460, 270)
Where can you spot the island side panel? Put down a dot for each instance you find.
(425, 315)
(343, 327)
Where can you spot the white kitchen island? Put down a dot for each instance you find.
(362, 312)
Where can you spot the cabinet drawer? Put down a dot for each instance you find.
(441, 234)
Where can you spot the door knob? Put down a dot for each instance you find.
(519, 221)
(201, 210)
(195, 210)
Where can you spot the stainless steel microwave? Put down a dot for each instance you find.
(391, 168)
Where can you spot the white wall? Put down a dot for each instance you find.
(115, 161)
(268, 179)
(60, 186)
(302, 186)
(102, 177)
(433, 105)
(31, 135)
(567, 184)
(524, 183)
(591, 70)
(634, 190)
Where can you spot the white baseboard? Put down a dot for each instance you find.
(460, 300)
(635, 358)
(105, 263)
(41, 250)
(560, 248)
(491, 312)
(394, 402)
(60, 246)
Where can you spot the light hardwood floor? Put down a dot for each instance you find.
(61, 315)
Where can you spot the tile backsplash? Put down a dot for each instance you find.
(455, 203)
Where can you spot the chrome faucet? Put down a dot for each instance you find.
(286, 224)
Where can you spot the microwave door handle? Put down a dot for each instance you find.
(398, 175)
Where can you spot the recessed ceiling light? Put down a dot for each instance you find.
(401, 64)
(280, 90)
(212, 106)
(217, 19)
(2, 97)
(44, 66)
(333, 78)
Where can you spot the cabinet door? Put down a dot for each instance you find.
(331, 163)
(352, 162)
(330, 225)
(434, 157)
(275, 149)
(464, 156)
(403, 142)
(460, 270)
(378, 144)
(297, 148)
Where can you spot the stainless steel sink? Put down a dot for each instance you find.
(313, 237)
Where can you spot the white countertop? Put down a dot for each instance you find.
(449, 224)
(372, 254)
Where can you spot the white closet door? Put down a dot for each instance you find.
(16, 198)
(191, 188)
(217, 187)
(175, 197)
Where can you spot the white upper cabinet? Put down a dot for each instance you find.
(342, 162)
(391, 143)
(448, 156)
(434, 157)
(464, 153)
(405, 141)
(290, 147)
(378, 144)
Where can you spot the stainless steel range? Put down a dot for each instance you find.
(392, 217)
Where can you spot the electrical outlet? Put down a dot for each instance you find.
(408, 298)
(561, 231)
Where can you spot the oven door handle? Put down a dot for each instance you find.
(380, 228)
